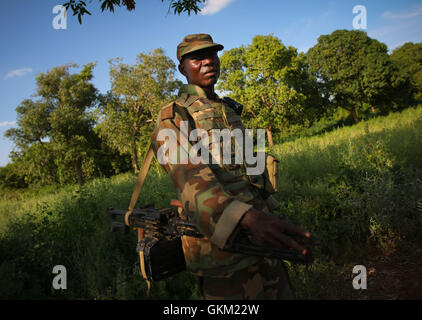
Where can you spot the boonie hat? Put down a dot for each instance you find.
(195, 42)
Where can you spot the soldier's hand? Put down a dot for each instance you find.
(268, 229)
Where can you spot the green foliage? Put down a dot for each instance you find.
(10, 178)
(137, 94)
(188, 6)
(408, 62)
(78, 7)
(56, 130)
(272, 83)
(55, 139)
(357, 188)
(354, 69)
(348, 185)
(71, 228)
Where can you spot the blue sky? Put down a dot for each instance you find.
(30, 44)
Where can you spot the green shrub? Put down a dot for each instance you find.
(356, 185)
(357, 188)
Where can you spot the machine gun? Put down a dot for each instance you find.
(156, 223)
(160, 249)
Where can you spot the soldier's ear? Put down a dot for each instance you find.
(182, 68)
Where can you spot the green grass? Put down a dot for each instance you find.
(357, 188)
(70, 228)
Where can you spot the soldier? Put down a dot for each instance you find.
(219, 198)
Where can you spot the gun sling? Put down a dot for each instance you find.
(135, 195)
(159, 258)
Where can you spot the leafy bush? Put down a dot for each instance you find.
(357, 188)
(71, 229)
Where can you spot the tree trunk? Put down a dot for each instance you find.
(78, 169)
(355, 115)
(270, 137)
(135, 160)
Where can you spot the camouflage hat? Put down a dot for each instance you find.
(195, 42)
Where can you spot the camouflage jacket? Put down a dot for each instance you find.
(214, 196)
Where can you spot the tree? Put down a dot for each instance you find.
(137, 94)
(10, 177)
(55, 132)
(408, 62)
(355, 69)
(79, 6)
(33, 155)
(272, 83)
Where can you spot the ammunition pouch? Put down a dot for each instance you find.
(160, 258)
(267, 182)
(271, 174)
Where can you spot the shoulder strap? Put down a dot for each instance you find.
(135, 195)
(236, 106)
(186, 100)
(167, 112)
(141, 179)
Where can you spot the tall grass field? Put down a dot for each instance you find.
(356, 188)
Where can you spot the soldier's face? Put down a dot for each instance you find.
(201, 67)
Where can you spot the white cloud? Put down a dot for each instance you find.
(7, 123)
(17, 73)
(397, 27)
(403, 15)
(213, 6)
(386, 30)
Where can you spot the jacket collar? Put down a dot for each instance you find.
(194, 90)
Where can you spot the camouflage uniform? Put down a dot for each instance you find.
(215, 197)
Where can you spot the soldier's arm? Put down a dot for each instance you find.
(209, 207)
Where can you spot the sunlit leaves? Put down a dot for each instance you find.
(355, 69)
(269, 80)
(137, 94)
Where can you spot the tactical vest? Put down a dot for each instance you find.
(208, 115)
(203, 258)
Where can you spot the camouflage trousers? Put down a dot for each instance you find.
(266, 280)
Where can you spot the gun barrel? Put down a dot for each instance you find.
(118, 226)
(113, 213)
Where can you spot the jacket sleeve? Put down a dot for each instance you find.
(204, 200)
